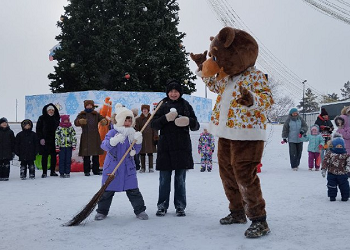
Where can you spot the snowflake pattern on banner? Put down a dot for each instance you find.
(73, 102)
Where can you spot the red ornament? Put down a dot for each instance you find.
(127, 76)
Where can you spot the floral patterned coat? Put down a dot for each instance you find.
(206, 143)
(233, 121)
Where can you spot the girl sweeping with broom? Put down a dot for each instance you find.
(116, 143)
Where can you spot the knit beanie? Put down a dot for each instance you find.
(3, 119)
(173, 84)
(293, 110)
(338, 146)
(323, 112)
(64, 118)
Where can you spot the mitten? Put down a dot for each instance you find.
(246, 98)
(171, 116)
(116, 139)
(103, 122)
(284, 141)
(323, 173)
(300, 135)
(138, 137)
(82, 121)
(42, 142)
(132, 152)
(199, 59)
(182, 121)
(320, 147)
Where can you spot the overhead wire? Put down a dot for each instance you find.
(266, 60)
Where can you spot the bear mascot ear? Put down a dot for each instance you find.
(226, 36)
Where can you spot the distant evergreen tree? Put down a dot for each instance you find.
(103, 41)
(330, 98)
(345, 92)
(310, 104)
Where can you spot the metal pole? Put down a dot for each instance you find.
(304, 98)
(205, 92)
(16, 109)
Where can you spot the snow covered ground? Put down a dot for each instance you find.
(300, 214)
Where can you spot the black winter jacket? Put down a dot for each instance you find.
(46, 128)
(7, 143)
(174, 149)
(27, 144)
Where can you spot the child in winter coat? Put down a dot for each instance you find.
(65, 142)
(26, 148)
(116, 143)
(206, 146)
(337, 163)
(316, 143)
(7, 148)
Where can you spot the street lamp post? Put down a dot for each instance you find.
(304, 98)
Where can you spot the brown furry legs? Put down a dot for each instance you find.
(238, 172)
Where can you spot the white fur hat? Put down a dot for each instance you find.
(122, 113)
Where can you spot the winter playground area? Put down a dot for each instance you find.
(299, 212)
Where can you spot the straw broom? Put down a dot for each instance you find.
(87, 210)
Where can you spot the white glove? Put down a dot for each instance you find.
(323, 173)
(138, 137)
(116, 139)
(171, 116)
(182, 121)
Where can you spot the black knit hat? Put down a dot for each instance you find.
(323, 112)
(3, 119)
(173, 84)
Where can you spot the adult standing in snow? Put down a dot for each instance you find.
(90, 139)
(293, 129)
(174, 119)
(325, 125)
(7, 148)
(45, 129)
(150, 136)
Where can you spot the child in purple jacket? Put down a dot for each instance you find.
(116, 143)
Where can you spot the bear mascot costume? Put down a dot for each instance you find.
(239, 120)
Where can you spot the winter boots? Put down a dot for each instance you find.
(99, 216)
(235, 217)
(142, 216)
(161, 212)
(4, 172)
(143, 163)
(257, 229)
(180, 212)
(23, 172)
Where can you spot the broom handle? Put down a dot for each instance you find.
(134, 141)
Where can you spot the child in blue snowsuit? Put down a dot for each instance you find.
(316, 143)
(337, 163)
(206, 146)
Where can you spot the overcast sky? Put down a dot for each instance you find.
(312, 45)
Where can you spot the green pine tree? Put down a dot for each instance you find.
(309, 104)
(102, 41)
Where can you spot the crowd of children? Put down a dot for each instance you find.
(332, 153)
